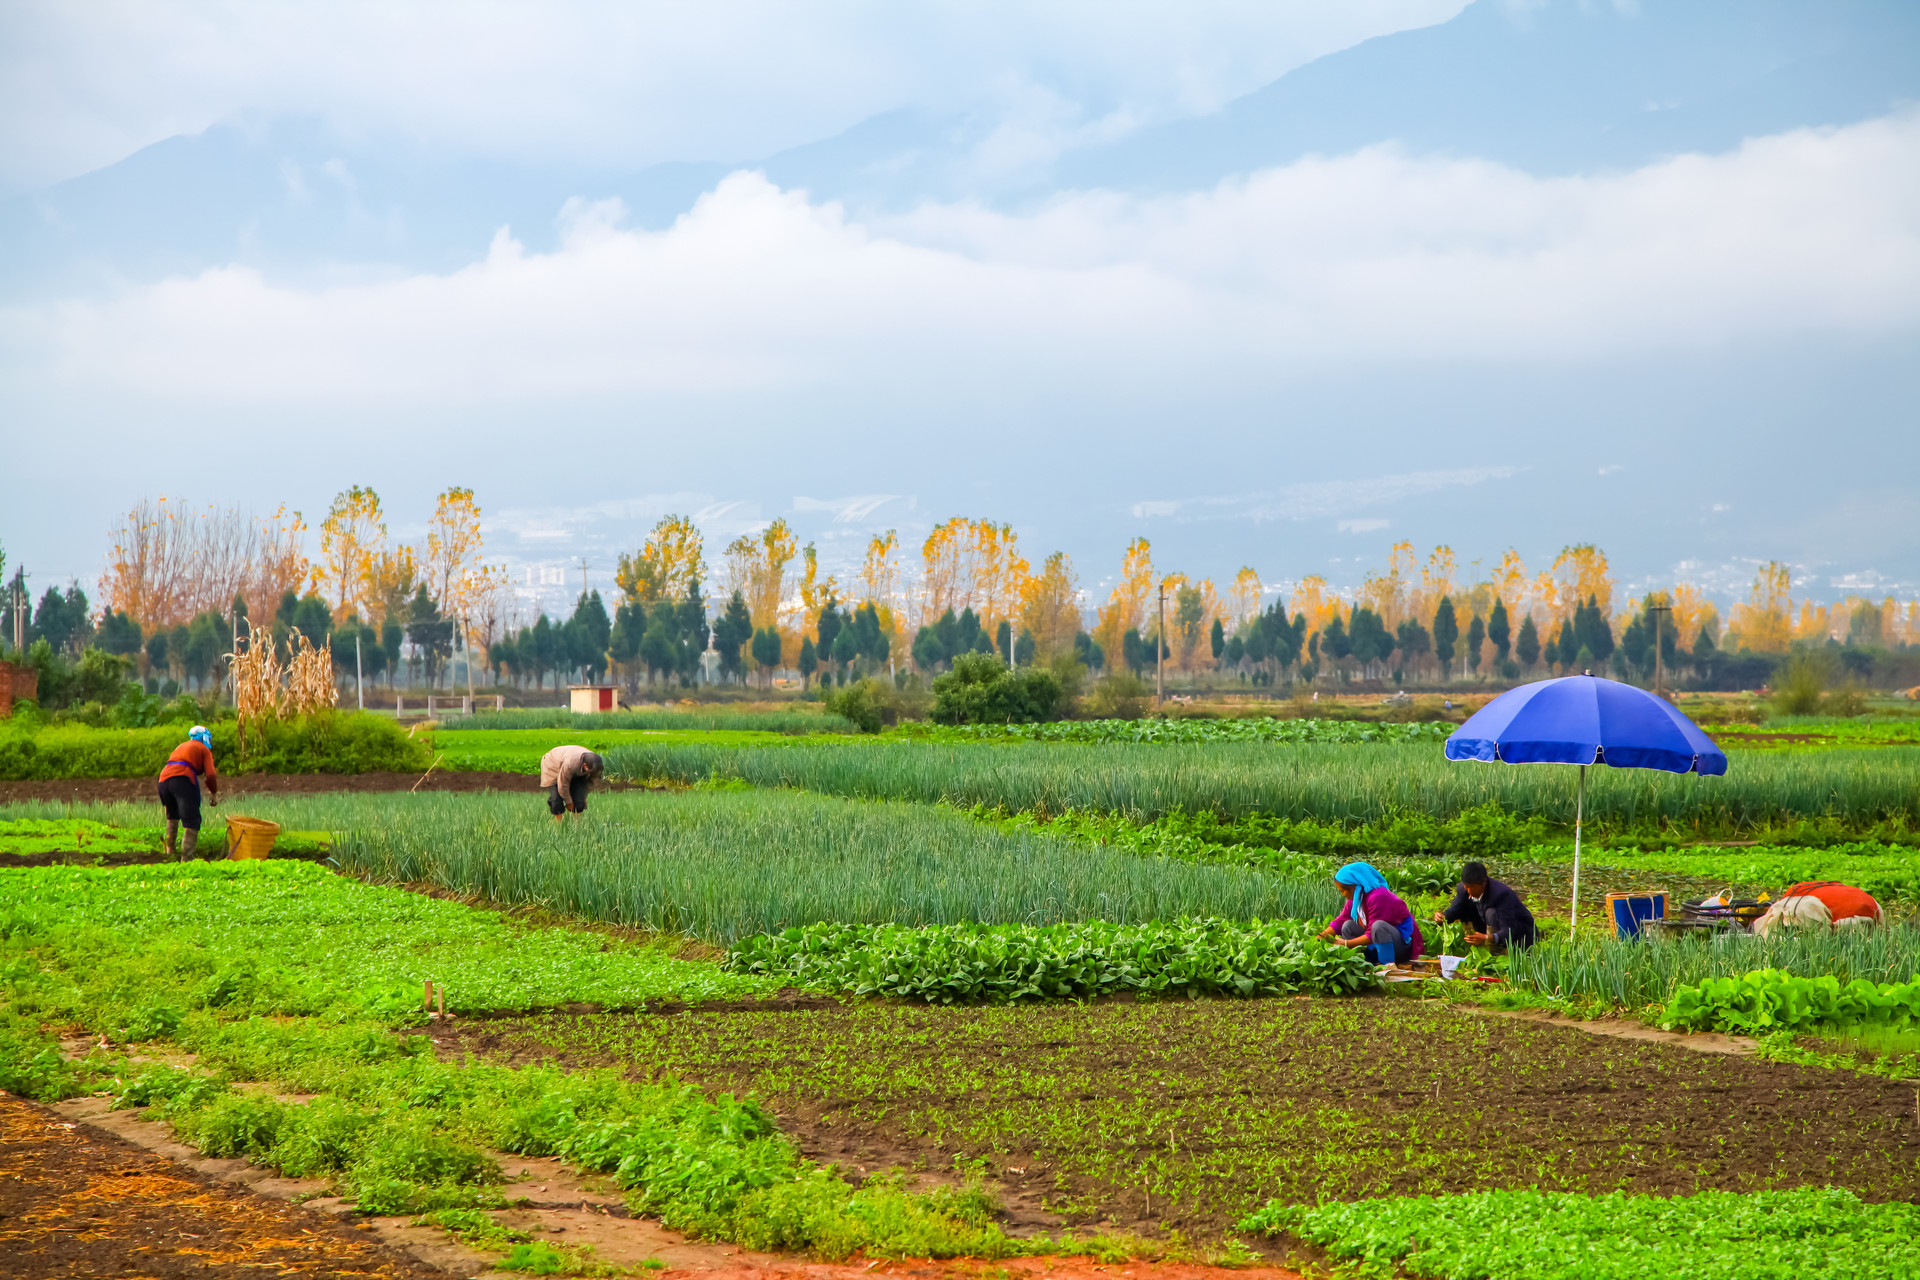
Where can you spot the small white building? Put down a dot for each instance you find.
(588, 698)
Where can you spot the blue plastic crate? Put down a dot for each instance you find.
(1631, 910)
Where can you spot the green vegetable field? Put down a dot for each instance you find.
(989, 991)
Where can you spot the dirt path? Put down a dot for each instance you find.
(1623, 1029)
(78, 1202)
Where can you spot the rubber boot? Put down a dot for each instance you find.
(173, 837)
(186, 850)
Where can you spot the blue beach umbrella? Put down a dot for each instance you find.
(1585, 720)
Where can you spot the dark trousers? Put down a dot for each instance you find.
(576, 792)
(1384, 942)
(180, 797)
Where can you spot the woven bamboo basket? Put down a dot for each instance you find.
(251, 837)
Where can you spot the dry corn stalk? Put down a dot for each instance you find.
(257, 694)
(310, 686)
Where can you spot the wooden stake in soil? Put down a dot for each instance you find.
(423, 777)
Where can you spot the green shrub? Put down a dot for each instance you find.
(869, 705)
(31, 1067)
(983, 690)
(233, 1124)
(535, 1258)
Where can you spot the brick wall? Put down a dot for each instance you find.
(16, 682)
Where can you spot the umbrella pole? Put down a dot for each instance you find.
(1579, 812)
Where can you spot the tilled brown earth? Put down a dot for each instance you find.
(77, 1202)
(1186, 1115)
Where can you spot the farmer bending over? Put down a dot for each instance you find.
(566, 773)
(1373, 917)
(1494, 914)
(191, 761)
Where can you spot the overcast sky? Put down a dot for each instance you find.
(1698, 363)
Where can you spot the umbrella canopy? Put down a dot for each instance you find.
(1586, 720)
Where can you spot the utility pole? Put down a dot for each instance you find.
(1160, 654)
(1659, 666)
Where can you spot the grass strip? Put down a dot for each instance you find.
(341, 742)
(968, 963)
(1813, 1233)
(147, 944)
(723, 865)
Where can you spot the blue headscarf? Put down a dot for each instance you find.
(1363, 879)
(202, 735)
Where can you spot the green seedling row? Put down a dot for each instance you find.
(1813, 1233)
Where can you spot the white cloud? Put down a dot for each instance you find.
(1369, 259)
(1362, 526)
(634, 83)
(847, 510)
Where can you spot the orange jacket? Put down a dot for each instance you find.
(192, 760)
(1843, 900)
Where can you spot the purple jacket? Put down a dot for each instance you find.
(1384, 904)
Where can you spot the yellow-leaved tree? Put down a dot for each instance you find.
(1243, 599)
(756, 567)
(1580, 575)
(1388, 594)
(1126, 607)
(455, 576)
(1318, 605)
(880, 583)
(815, 591)
(393, 575)
(673, 555)
(1050, 608)
(1765, 622)
(353, 533)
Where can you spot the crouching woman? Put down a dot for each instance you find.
(1374, 917)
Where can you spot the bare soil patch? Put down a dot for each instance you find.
(78, 1202)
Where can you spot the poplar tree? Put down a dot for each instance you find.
(1446, 631)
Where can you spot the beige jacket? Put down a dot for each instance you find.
(559, 767)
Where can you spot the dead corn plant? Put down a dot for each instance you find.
(310, 686)
(257, 692)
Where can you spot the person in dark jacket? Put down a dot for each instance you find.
(1494, 914)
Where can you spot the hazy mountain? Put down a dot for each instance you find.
(1557, 87)
(1551, 88)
